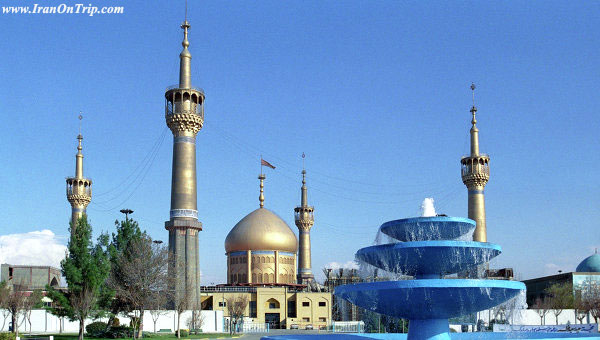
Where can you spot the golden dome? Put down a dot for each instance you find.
(261, 230)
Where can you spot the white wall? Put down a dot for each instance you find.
(44, 322)
(531, 317)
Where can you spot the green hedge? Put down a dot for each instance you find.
(8, 336)
(96, 329)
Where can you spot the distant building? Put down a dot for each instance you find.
(586, 273)
(343, 310)
(280, 306)
(30, 277)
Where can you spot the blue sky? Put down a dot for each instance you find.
(376, 93)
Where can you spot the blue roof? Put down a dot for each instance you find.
(590, 264)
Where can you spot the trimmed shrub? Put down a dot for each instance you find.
(96, 329)
(119, 332)
(184, 333)
(8, 336)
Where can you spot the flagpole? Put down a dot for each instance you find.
(261, 164)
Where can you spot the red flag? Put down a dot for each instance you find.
(265, 163)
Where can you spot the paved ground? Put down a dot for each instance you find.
(257, 336)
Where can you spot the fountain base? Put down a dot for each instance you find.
(430, 329)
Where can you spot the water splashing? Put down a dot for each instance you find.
(427, 208)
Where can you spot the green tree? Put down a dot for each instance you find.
(561, 297)
(85, 268)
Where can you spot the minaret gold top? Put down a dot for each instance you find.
(79, 188)
(475, 172)
(304, 219)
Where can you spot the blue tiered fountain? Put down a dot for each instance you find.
(428, 250)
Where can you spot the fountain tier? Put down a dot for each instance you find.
(428, 259)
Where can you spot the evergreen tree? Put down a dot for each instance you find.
(85, 268)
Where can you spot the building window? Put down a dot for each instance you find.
(252, 309)
(222, 304)
(322, 304)
(291, 309)
(305, 319)
(322, 319)
(305, 304)
(272, 305)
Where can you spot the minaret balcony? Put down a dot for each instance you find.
(184, 101)
(475, 165)
(79, 187)
(304, 215)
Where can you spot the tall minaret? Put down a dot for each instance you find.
(304, 218)
(79, 188)
(184, 113)
(475, 171)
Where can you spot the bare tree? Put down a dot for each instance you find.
(236, 307)
(581, 306)
(13, 300)
(542, 308)
(561, 297)
(196, 321)
(32, 301)
(139, 275)
(157, 307)
(179, 294)
(591, 299)
(3, 296)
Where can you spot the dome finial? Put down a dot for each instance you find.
(473, 108)
(261, 197)
(185, 78)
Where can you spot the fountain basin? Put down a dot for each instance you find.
(430, 298)
(428, 228)
(428, 257)
(453, 336)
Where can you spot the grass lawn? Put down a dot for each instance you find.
(73, 336)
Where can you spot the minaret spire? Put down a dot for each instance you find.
(184, 115)
(304, 219)
(475, 172)
(79, 188)
(474, 129)
(303, 199)
(185, 58)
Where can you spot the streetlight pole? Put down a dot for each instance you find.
(126, 212)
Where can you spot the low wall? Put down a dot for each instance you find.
(531, 317)
(44, 322)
